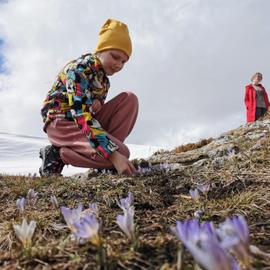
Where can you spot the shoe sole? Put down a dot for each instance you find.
(42, 156)
(42, 153)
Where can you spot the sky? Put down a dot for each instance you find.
(1, 57)
(190, 63)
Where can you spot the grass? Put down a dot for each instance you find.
(241, 186)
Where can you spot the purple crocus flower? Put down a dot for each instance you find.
(241, 228)
(126, 203)
(143, 170)
(231, 152)
(126, 222)
(204, 188)
(20, 203)
(165, 167)
(71, 216)
(25, 232)
(187, 230)
(88, 227)
(234, 234)
(203, 245)
(194, 193)
(32, 196)
(54, 201)
(211, 255)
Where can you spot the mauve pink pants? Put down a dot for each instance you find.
(117, 117)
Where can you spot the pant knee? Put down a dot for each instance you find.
(131, 100)
(64, 154)
(131, 96)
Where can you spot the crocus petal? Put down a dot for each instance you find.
(165, 166)
(241, 228)
(71, 215)
(120, 219)
(126, 222)
(202, 242)
(204, 188)
(194, 193)
(20, 203)
(25, 232)
(234, 235)
(126, 203)
(88, 227)
(209, 229)
(122, 223)
(210, 254)
(187, 230)
(31, 229)
(32, 196)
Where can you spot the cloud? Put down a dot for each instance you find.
(190, 63)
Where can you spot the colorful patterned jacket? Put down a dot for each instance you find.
(72, 94)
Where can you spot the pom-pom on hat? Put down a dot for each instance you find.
(114, 35)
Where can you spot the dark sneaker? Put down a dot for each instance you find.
(140, 163)
(107, 171)
(52, 163)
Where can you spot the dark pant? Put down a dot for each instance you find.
(260, 112)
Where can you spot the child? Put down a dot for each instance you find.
(83, 130)
(256, 98)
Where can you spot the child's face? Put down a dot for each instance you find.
(257, 79)
(112, 60)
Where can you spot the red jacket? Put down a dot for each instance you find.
(250, 101)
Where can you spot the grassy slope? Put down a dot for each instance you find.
(239, 187)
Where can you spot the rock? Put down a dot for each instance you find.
(200, 163)
(219, 162)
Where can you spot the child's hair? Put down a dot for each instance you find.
(255, 75)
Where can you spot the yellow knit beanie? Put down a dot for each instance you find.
(114, 35)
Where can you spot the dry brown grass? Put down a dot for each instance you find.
(192, 146)
(239, 187)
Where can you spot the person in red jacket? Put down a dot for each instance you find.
(256, 98)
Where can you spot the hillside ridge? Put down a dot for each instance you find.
(235, 165)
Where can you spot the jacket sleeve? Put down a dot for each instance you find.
(248, 97)
(266, 99)
(76, 84)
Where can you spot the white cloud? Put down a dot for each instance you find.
(190, 62)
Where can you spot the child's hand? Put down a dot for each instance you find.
(96, 106)
(122, 164)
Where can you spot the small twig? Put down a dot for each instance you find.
(41, 262)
